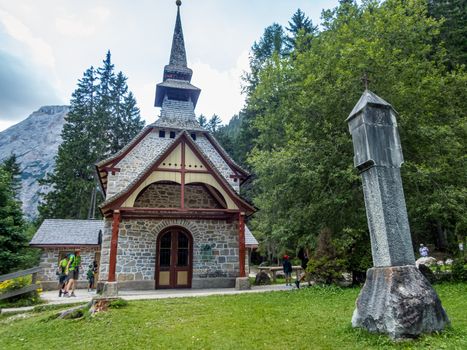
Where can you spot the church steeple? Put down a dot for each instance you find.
(178, 53)
(177, 76)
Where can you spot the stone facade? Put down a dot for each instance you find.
(49, 261)
(167, 195)
(215, 251)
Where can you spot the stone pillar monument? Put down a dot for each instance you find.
(396, 298)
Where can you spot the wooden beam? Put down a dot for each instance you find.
(182, 177)
(23, 290)
(12, 275)
(241, 243)
(114, 246)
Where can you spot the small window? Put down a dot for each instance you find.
(172, 134)
(161, 133)
(193, 136)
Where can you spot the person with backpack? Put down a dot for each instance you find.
(74, 263)
(62, 276)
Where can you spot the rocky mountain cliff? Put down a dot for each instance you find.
(35, 142)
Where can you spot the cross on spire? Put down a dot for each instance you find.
(365, 80)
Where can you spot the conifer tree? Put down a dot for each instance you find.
(12, 228)
(300, 27)
(12, 166)
(102, 119)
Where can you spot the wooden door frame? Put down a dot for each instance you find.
(190, 253)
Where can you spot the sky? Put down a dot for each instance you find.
(45, 46)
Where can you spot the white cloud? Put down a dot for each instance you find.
(40, 51)
(220, 90)
(84, 25)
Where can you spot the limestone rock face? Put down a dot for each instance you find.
(400, 302)
(35, 142)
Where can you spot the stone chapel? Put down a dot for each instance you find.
(173, 214)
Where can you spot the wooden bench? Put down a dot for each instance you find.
(272, 270)
(33, 286)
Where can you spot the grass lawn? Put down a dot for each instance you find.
(310, 318)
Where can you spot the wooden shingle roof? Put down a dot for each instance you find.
(67, 232)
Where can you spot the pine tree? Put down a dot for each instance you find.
(301, 31)
(12, 228)
(12, 166)
(214, 123)
(202, 120)
(102, 119)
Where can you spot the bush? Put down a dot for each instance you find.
(459, 272)
(26, 299)
(326, 270)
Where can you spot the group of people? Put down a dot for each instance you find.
(68, 274)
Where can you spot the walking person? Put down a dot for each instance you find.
(92, 270)
(62, 276)
(74, 262)
(287, 267)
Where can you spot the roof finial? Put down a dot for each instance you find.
(178, 3)
(365, 80)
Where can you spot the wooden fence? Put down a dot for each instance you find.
(33, 286)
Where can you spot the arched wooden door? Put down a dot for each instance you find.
(174, 259)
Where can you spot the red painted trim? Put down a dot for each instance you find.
(113, 246)
(182, 177)
(128, 209)
(115, 160)
(241, 243)
(187, 140)
(233, 195)
(234, 166)
(113, 170)
(187, 171)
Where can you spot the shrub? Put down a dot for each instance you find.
(26, 299)
(459, 272)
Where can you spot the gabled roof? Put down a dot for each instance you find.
(120, 197)
(67, 232)
(368, 98)
(229, 160)
(250, 240)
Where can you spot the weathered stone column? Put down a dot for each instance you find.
(396, 299)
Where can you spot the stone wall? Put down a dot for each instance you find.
(215, 250)
(167, 195)
(49, 261)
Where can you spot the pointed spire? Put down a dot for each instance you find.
(177, 76)
(178, 53)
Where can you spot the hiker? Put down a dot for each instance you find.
(287, 267)
(62, 276)
(423, 251)
(74, 262)
(92, 270)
